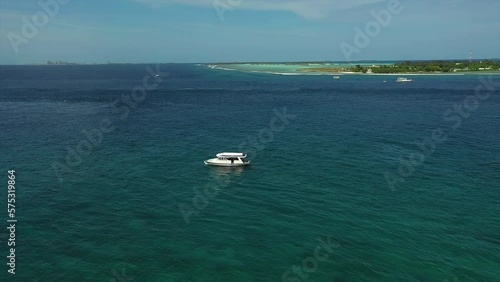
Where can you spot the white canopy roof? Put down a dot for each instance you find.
(231, 155)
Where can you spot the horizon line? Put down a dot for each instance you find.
(247, 62)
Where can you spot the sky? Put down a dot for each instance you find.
(204, 31)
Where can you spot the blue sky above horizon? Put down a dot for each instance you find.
(147, 31)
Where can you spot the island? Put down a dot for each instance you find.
(365, 67)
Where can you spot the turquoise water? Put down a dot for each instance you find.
(313, 206)
(292, 69)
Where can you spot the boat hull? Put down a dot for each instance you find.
(217, 162)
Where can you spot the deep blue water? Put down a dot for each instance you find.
(134, 205)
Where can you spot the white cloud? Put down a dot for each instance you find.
(309, 9)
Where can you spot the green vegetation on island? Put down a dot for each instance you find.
(436, 67)
(417, 67)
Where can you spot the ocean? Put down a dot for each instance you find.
(351, 179)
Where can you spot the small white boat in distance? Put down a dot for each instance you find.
(336, 77)
(404, 79)
(228, 159)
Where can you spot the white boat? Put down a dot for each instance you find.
(404, 79)
(336, 77)
(228, 159)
